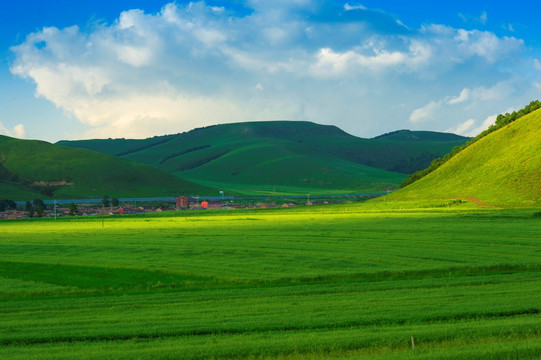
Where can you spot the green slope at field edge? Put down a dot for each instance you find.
(501, 169)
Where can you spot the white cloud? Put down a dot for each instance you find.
(490, 120)
(468, 128)
(463, 96)
(348, 7)
(483, 18)
(486, 45)
(462, 128)
(425, 113)
(330, 63)
(18, 131)
(432, 110)
(193, 65)
(449, 107)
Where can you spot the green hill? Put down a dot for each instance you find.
(30, 169)
(408, 135)
(501, 169)
(283, 156)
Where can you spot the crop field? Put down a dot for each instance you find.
(330, 282)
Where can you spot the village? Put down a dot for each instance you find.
(175, 204)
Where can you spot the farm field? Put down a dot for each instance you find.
(334, 282)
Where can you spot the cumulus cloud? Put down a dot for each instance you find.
(458, 45)
(18, 131)
(193, 64)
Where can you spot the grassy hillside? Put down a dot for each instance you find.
(286, 156)
(30, 169)
(408, 135)
(501, 169)
(501, 121)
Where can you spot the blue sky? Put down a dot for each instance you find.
(74, 69)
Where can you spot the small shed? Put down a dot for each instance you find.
(204, 205)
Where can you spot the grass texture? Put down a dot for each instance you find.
(336, 282)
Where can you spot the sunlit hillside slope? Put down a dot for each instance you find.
(501, 169)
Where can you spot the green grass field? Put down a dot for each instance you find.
(335, 282)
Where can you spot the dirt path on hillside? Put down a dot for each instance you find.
(478, 202)
(472, 199)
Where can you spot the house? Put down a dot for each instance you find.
(182, 202)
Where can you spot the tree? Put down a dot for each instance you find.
(29, 208)
(40, 210)
(115, 202)
(106, 201)
(39, 203)
(39, 207)
(73, 209)
(7, 205)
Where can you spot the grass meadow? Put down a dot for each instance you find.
(334, 282)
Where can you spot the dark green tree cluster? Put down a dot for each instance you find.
(107, 201)
(37, 208)
(7, 205)
(39, 205)
(408, 166)
(501, 121)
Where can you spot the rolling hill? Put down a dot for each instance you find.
(36, 169)
(283, 156)
(501, 169)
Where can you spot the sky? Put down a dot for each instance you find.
(140, 68)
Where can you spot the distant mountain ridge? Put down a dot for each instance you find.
(290, 154)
